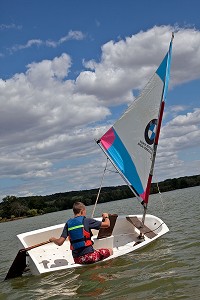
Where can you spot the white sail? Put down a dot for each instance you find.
(130, 142)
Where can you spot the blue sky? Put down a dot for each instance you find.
(68, 69)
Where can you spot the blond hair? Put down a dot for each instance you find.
(77, 207)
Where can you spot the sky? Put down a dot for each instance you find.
(69, 69)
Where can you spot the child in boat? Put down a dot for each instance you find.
(78, 229)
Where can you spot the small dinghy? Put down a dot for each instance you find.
(125, 235)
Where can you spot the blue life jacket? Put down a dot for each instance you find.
(78, 236)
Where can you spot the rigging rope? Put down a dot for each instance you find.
(161, 198)
(99, 189)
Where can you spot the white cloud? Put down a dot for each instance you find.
(10, 26)
(128, 64)
(43, 119)
(180, 134)
(29, 44)
(186, 56)
(72, 35)
(48, 121)
(178, 108)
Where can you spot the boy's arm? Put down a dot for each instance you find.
(58, 241)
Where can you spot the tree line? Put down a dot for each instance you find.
(13, 207)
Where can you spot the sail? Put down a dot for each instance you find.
(130, 142)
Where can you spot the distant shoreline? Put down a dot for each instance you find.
(15, 208)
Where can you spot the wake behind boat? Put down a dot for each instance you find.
(130, 145)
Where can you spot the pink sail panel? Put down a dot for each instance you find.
(108, 139)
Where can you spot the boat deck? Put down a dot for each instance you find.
(52, 257)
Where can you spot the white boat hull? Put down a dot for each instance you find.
(50, 257)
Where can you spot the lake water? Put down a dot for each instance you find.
(168, 269)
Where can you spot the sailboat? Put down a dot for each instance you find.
(130, 145)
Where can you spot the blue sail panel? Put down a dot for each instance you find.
(163, 70)
(122, 159)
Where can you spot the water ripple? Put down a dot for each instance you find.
(167, 269)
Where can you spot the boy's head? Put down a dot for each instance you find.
(79, 208)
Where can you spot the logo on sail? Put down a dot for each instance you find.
(150, 131)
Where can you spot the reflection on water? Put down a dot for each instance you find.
(169, 268)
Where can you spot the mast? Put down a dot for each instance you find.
(160, 116)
